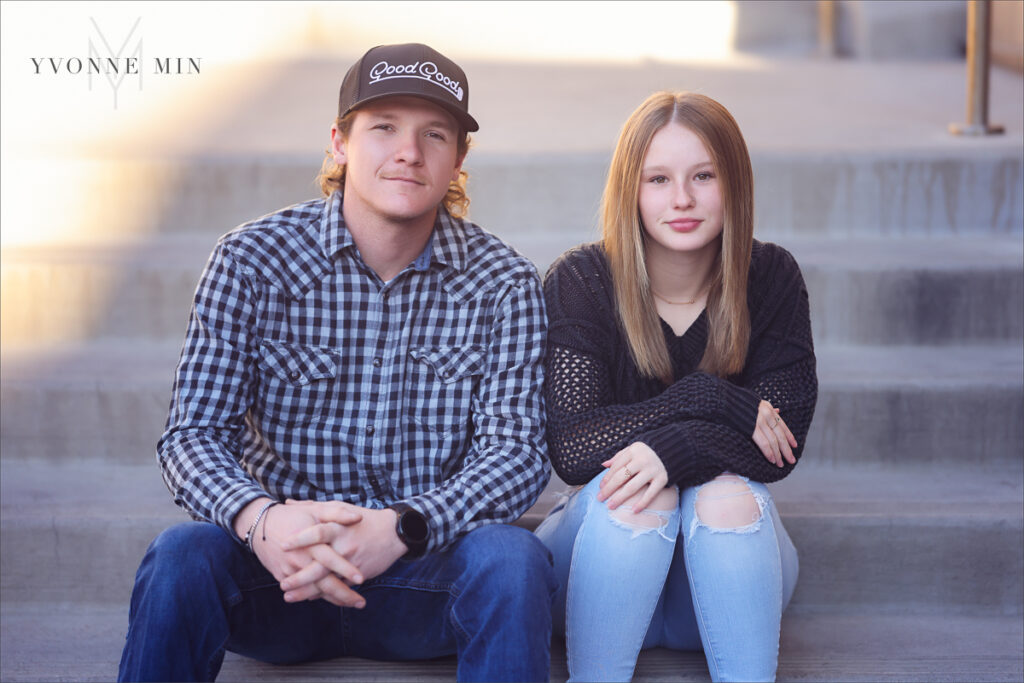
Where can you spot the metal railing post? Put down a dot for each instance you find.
(827, 14)
(979, 32)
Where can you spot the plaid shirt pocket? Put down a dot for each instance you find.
(443, 377)
(295, 383)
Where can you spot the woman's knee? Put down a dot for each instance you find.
(653, 515)
(727, 502)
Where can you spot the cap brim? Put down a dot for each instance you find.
(464, 119)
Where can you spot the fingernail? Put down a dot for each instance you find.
(357, 578)
(360, 605)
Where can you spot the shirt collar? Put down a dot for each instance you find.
(449, 243)
(446, 246)
(334, 234)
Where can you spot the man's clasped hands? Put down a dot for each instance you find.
(321, 549)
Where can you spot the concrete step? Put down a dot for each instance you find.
(898, 404)
(872, 540)
(839, 148)
(819, 193)
(50, 641)
(863, 291)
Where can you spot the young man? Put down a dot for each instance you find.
(379, 360)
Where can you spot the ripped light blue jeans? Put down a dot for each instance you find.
(711, 570)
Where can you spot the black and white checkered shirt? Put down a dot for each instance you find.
(305, 376)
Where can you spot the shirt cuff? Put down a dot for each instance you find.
(233, 501)
(434, 513)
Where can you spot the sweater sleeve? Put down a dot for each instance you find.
(701, 425)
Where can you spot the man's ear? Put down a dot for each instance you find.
(338, 146)
(458, 167)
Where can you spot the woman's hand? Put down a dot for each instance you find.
(629, 470)
(772, 436)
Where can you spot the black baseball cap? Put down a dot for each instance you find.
(407, 69)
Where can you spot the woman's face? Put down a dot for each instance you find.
(680, 197)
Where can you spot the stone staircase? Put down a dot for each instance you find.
(907, 506)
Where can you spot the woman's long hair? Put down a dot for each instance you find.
(623, 234)
(332, 175)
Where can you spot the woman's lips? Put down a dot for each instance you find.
(684, 224)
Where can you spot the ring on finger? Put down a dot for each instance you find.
(629, 475)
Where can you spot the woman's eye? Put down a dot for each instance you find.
(704, 176)
(658, 180)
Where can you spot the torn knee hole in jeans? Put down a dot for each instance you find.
(728, 505)
(643, 522)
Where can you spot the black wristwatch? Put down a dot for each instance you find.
(412, 529)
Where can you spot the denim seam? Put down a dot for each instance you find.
(415, 584)
(569, 588)
(454, 593)
(234, 600)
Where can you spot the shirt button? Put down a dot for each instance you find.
(370, 430)
(294, 375)
(376, 362)
(446, 373)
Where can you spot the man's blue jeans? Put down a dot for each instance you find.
(198, 592)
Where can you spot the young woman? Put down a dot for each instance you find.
(680, 379)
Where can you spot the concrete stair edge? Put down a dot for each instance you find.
(47, 641)
(871, 539)
(876, 404)
(952, 191)
(871, 291)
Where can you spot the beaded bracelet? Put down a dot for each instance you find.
(256, 523)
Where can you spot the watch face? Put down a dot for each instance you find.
(414, 526)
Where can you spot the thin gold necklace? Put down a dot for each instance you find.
(677, 303)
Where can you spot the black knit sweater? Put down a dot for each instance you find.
(701, 425)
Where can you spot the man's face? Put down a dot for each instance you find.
(400, 156)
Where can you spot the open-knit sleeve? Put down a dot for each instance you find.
(700, 425)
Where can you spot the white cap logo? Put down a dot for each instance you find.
(426, 71)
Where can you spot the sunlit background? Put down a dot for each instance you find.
(55, 126)
(96, 166)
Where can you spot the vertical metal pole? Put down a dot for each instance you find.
(979, 30)
(827, 28)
